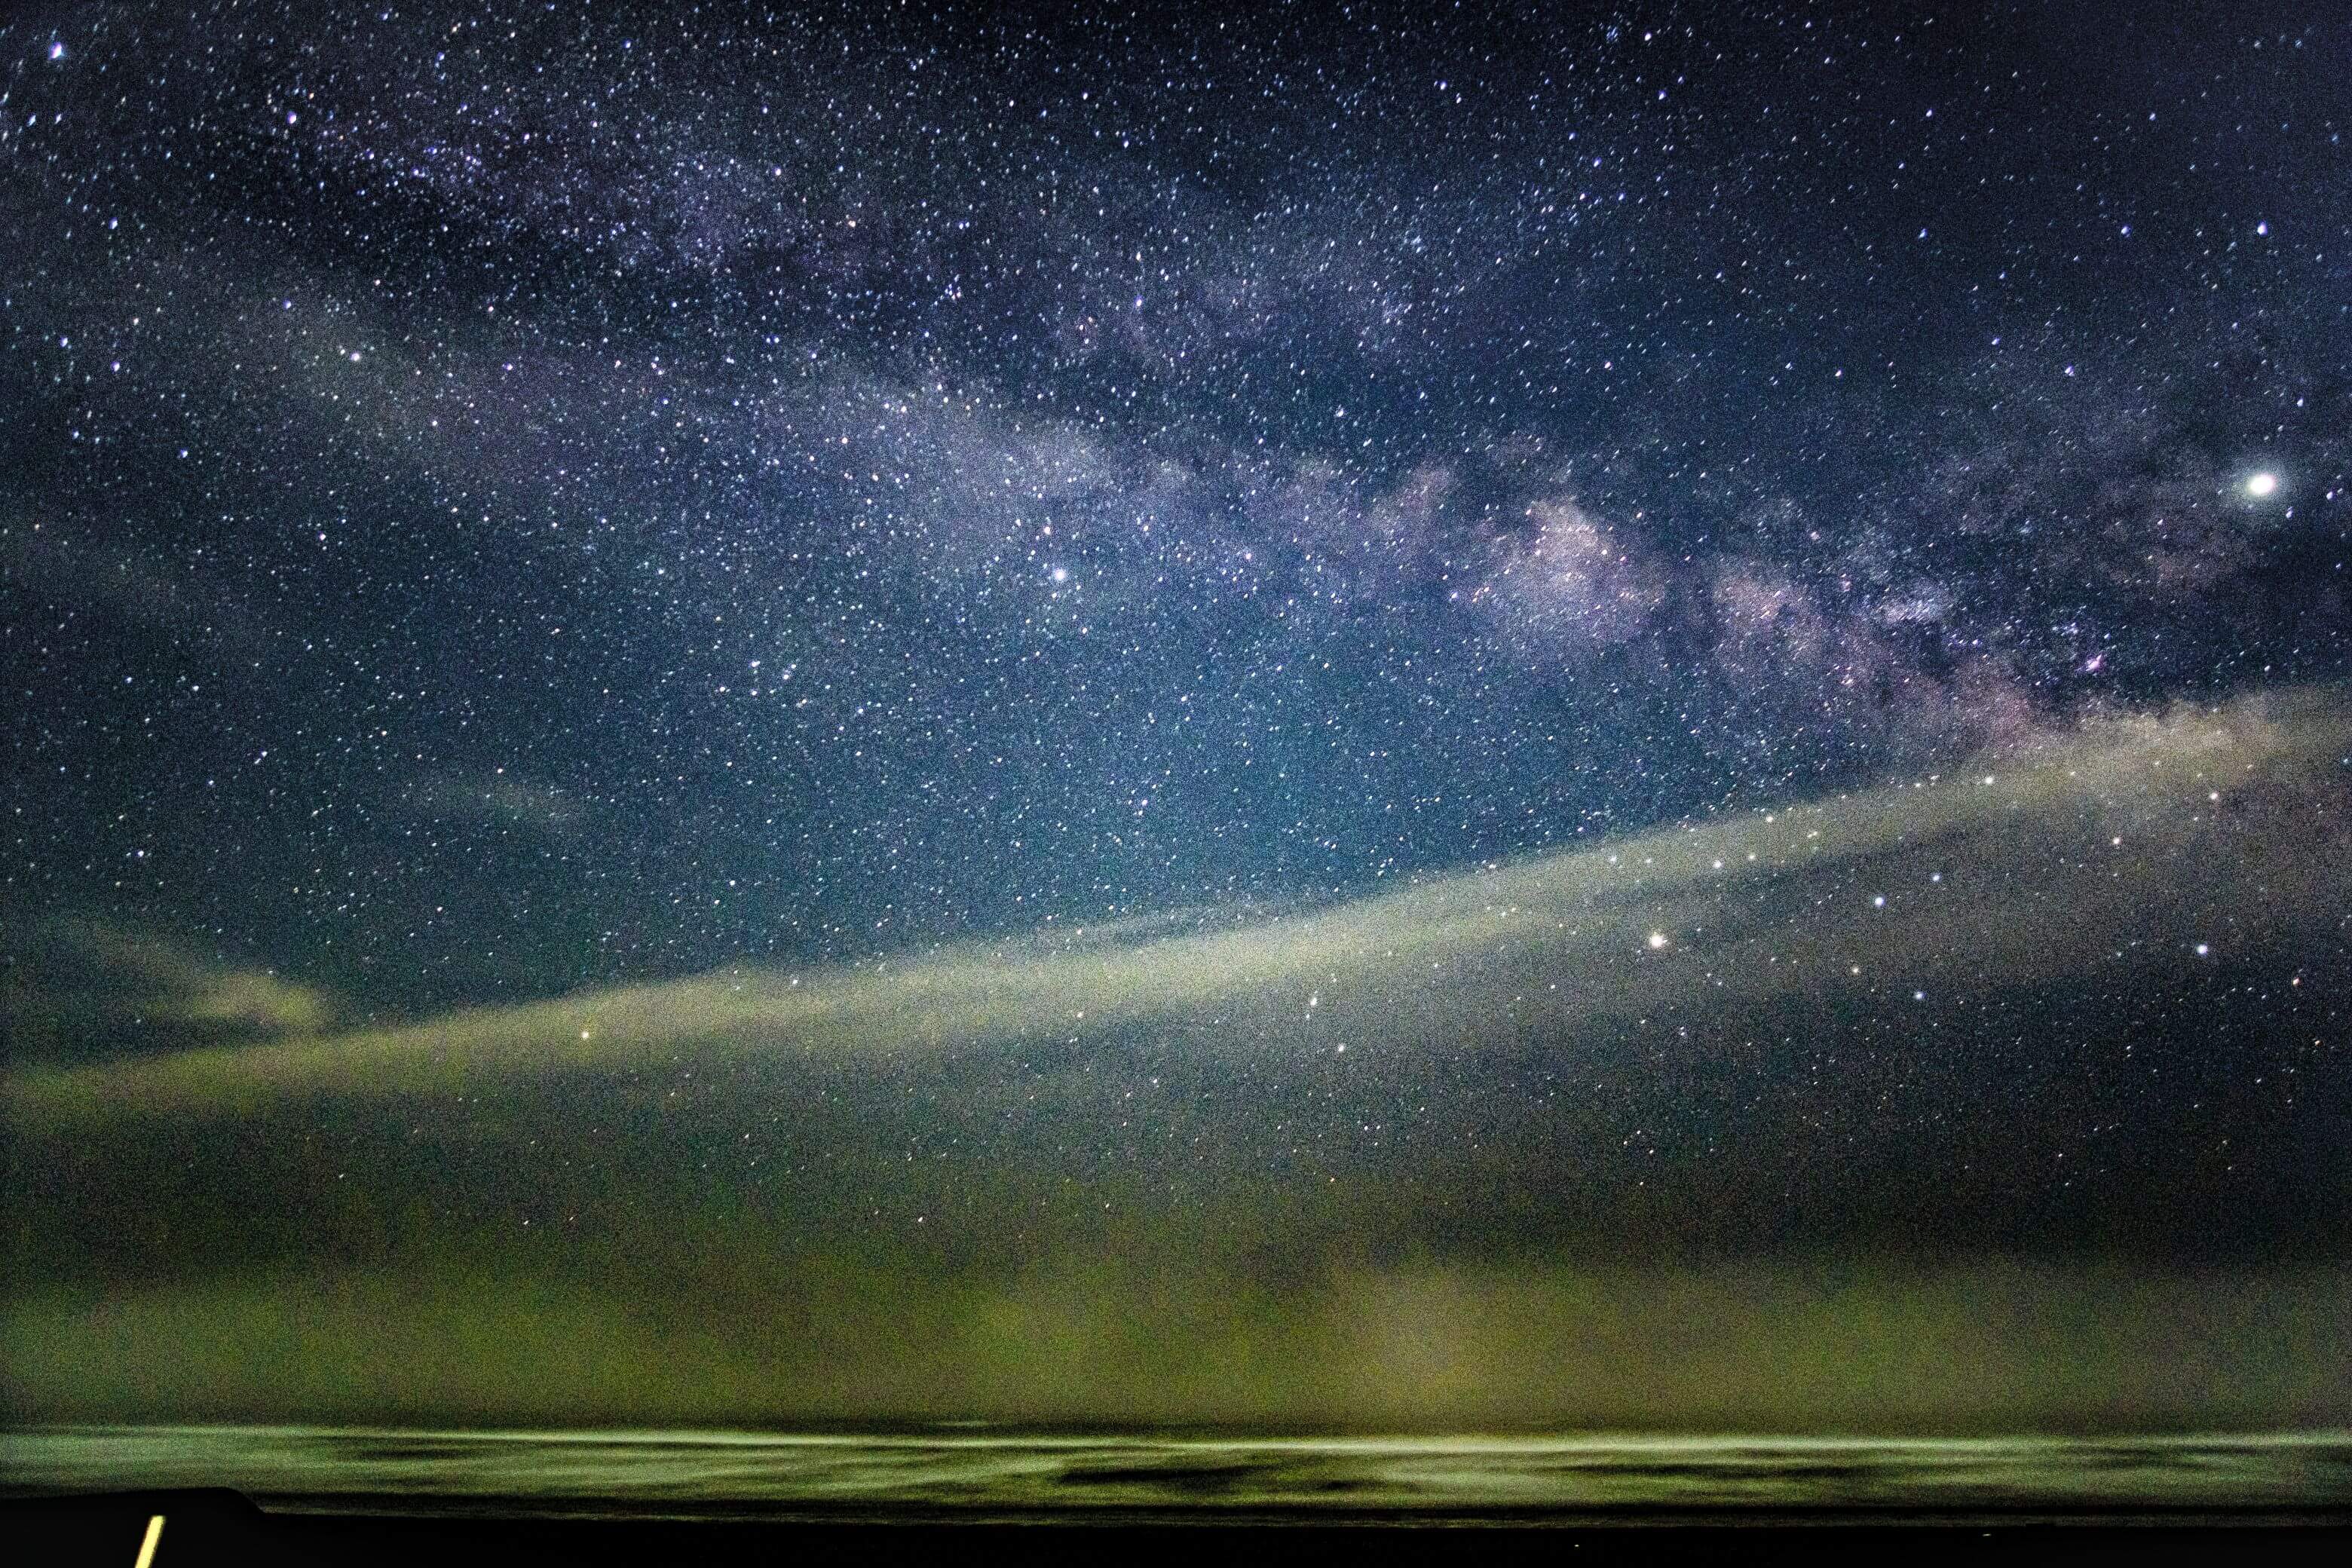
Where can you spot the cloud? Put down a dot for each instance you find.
(90, 986)
(1174, 1330)
(2056, 858)
(73, 562)
(495, 798)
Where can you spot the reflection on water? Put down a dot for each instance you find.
(707, 1473)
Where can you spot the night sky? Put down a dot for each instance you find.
(1052, 696)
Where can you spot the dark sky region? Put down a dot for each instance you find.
(1368, 715)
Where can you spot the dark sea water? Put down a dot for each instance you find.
(986, 1473)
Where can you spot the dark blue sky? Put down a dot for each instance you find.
(1576, 717)
(496, 502)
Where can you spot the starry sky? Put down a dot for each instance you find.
(1352, 633)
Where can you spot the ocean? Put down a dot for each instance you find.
(985, 1473)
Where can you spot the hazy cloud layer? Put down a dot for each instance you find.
(2066, 857)
(81, 986)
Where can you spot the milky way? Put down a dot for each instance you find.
(579, 540)
(888, 483)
